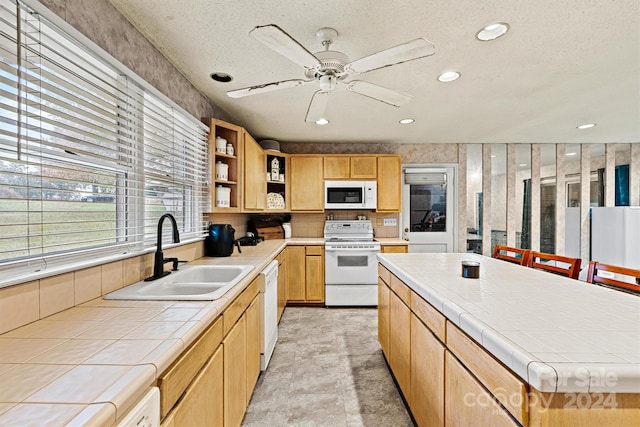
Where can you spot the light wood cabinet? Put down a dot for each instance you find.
(389, 184)
(282, 282)
(467, 402)
(400, 343)
(235, 373)
(307, 184)
(305, 274)
(336, 167)
(253, 345)
(393, 249)
(427, 376)
(314, 274)
(383, 316)
(363, 167)
(202, 402)
(255, 175)
(350, 167)
(234, 136)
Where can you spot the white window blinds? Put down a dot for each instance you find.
(89, 160)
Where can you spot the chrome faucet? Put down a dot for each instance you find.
(159, 259)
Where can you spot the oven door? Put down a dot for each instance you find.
(350, 266)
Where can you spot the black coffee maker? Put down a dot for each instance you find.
(220, 240)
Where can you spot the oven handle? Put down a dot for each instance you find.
(330, 249)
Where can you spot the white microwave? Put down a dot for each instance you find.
(350, 194)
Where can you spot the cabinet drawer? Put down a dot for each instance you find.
(510, 391)
(384, 274)
(400, 289)
(431, 317)
(239, 305)
(174, 381)
(314, 250)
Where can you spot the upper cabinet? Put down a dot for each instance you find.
(389, 183)
(350, 167)
(277, 177)
(255, 175)
(225, 148)
(306, 182)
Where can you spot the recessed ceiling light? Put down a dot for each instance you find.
(322, 122)
(493, 156)
(448, 76)
(522, 165)
(571, 154)
(406, 121)
(586, 126)
(221, 77)
(493, 31)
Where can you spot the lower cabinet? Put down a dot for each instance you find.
(400, 343)
(282, 282)
(253, 345)
(202, 403)
(467, 401)
(393, 249)
(383, 316)
(305, 274)
(427, 376)
(235, 373)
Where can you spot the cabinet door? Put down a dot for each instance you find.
(400, 343)
(253, 345)
(202, 403)
(467, 403)
(389, 184)
(383, 316)
(363, 167)
(427, 376)
(314, 278)
(336, 167)
(282, 283)
(235, 373)
(296, 276)
(307, 184)
(255, 175)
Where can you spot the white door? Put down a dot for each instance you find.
(429, 208)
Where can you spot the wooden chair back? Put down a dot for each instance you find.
(593, 276)
(515, 255)
(569, 267)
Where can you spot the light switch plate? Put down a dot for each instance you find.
(389, 221)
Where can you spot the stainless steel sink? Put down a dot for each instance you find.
(195, 282)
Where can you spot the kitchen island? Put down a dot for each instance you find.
(515, 347)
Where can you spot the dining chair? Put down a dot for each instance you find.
(558, 264)
(593, 276)
(515, 255)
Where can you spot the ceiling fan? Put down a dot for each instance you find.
(328, 67)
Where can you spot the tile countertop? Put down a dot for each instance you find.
(557, 334)
(89, 364)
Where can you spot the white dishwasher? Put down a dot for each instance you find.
(269, 312)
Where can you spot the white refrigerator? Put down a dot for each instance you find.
(615, 235)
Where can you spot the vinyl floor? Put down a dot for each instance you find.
(327, 370)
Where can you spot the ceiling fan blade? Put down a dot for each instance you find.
(415, 49)
(275, 38)
(317, 106)
(379, 93)
(267, 87)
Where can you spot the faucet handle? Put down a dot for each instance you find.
(175, 263)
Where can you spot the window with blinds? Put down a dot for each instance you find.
(89, 159)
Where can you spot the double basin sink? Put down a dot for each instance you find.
(191, 283)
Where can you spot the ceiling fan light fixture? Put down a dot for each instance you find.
(493, 31)
(586, 126)
(449, 76)
(322, 122)
(406, 121)
(221, 77)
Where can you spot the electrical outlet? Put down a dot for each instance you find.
(389, 221)
(379, 222)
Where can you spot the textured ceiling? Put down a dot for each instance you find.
(562, 64)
